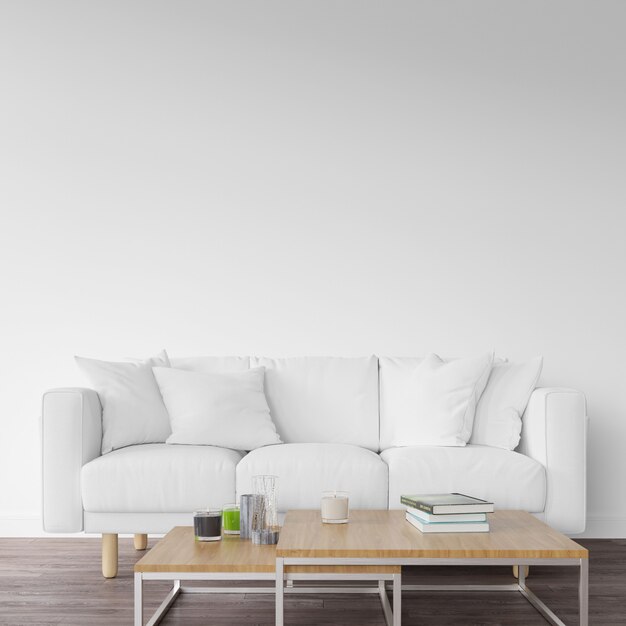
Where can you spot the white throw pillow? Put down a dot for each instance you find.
(438, 402)
(132, 408)
(226, 409)
(498, 420)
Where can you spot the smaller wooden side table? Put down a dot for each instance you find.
(179, 558)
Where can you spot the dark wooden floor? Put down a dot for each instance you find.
(58, 581)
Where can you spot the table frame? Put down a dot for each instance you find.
(392, 615)
(520, 586)
(284, 584)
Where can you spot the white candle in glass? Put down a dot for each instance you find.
(334, 507)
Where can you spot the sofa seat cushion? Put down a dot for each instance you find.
(304, 470)
(159, 478)
(508, 479)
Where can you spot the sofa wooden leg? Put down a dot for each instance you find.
(141, 541)
(109, 555)
(516, 571)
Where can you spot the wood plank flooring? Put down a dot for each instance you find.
(58, 581)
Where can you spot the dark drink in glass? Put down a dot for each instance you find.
(207, 525)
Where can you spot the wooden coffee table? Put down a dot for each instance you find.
(178, 557)
(379, 538)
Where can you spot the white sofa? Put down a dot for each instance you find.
(329, 414)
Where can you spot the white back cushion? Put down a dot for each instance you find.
(498, 420)
(323, 399)
(211, 364)
(396, 374)
(132, 408)
(434, 402)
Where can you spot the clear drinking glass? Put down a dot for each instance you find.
(265, 528)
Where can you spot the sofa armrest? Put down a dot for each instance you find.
(71, 429)
(554, 433)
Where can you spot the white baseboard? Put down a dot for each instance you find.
(598, 527)
(604, 527)
(31, 526)
(24, 525)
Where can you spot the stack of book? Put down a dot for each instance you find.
(447, 513)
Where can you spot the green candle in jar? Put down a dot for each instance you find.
(230, 519)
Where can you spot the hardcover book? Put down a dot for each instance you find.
(450, 517)
(446, 503)
(447, 527)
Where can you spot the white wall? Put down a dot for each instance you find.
(312, 177)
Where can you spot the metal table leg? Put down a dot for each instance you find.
(583, 592)
(397, 599)
(280, 592)
(138, 599)
(384, 601)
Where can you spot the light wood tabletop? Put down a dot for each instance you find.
(369, 534)
(387, 534)
(178, 551)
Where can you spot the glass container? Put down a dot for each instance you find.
(230, 519)
(265, 529)
(207, 524)
(335, 507)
